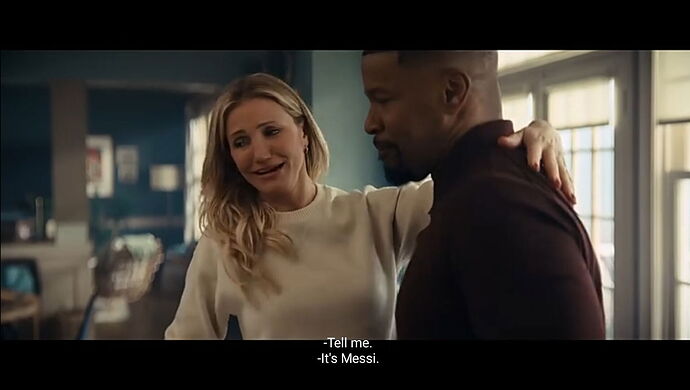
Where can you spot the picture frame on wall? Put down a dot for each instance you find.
(127, 157)
(99, 166)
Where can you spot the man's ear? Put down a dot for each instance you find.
(456, 89)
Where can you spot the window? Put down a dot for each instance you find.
(582, 96)
(583, 113)
(196, 152)
(672, 287)
(519, 108)
(513, 58)
(675, 257)
(683, 259)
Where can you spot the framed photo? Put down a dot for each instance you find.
(99, 166)
(127, 157)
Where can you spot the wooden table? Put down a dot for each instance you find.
(19, 307)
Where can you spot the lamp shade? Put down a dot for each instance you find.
(165, 177)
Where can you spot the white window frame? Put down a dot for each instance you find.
(195, 109)
(663, 248)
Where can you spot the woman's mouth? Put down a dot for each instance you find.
(269, 170)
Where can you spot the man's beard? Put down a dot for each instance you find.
(400, 175)
(397, 172)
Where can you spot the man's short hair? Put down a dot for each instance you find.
(404, 56)
(489, 58)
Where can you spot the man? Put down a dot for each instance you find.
(505, 256)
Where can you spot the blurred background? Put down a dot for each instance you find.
(102, 154)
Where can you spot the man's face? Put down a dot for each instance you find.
(404, 116)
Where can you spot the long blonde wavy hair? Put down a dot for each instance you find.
(231, 211)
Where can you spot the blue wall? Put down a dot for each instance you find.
(329, 81)
(26, 145)
(340, 108)
(141, 66)
(155, 123)
(302, 75)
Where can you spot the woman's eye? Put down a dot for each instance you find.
(272, 131)
(240, 142)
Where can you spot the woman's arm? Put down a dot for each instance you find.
(196, 316)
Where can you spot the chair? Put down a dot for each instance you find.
(21, 294)
(125, 267)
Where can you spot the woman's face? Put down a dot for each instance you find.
(267, 146)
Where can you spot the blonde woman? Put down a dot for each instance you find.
(290, 257)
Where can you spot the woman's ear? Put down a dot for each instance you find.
(305, 139)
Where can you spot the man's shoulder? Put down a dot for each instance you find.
(491, 195)
(506, 205)
(483, 188)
